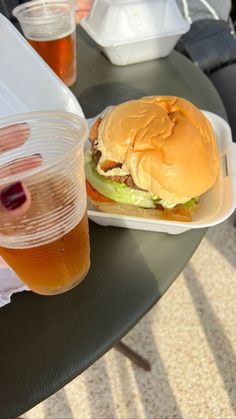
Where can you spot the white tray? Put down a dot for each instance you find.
(215, 206)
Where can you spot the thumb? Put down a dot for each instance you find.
(14, 201)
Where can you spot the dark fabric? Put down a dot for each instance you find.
(212, 47)
(209, 44)
(6, 7)
(224, 81)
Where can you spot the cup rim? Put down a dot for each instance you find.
(23, 118)
(20, 10)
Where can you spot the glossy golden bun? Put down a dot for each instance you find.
(165, 142)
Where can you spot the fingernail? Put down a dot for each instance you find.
(13, 196)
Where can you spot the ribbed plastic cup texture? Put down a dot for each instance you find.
(49, 26)
(48, 246)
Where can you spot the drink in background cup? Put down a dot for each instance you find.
(59, 54)
(49, 26)
(48, 247)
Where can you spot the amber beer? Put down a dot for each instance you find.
(47, 243)
(59, 54)
(54, 267)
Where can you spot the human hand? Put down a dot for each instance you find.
(83, 9)
(15, 197)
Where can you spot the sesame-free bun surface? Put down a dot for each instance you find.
(165, 142)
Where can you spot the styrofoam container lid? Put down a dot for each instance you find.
(116, 22)
(215, 205)
(27, 83)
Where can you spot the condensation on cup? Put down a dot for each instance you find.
(49, 26)
(48, 246)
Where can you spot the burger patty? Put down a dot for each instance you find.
(95, 152)
(127, 179)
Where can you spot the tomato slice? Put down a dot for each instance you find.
(96, 196)
(109, 164)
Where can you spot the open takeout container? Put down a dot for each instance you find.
(215, 206)
(132, 31)
(27, 83)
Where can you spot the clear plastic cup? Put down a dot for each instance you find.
(49, 26)
(48, 246)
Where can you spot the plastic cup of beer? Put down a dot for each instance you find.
(48, 245)
(49, 26)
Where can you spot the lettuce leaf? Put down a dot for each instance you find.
(116, 191)
(189, 204)
(122, 193)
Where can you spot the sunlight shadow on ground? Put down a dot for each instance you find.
(218, 341)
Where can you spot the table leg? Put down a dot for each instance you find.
(133, 356)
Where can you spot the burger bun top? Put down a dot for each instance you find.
(165, 143)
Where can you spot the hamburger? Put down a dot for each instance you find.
(151, 157)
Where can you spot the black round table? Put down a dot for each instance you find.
(47, 341)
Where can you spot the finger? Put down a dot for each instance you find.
(83, 10)
(15, 200)
(13, 136)
(84, 5)
(20, 165)
(80, 15)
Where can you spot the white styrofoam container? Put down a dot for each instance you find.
(132, 31)
(215, 206)
(27, 83)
